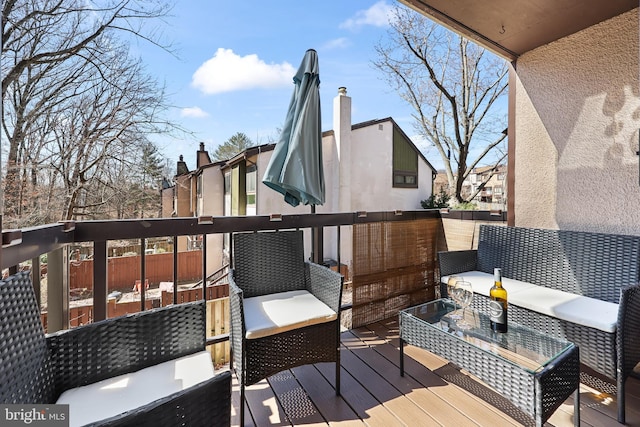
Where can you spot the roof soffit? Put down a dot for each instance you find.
(513, 27)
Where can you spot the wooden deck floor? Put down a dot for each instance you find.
(433, 392)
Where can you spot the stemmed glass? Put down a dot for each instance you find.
(452, 291)
(464, 293)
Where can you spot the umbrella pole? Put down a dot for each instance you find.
(317, 255)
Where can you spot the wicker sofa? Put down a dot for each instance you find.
(579, 286)
(145, 369)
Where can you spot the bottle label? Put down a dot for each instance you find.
(496, 312)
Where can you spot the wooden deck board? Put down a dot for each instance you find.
(433, 392)
(475, 409)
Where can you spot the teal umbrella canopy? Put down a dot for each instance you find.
(296, 169)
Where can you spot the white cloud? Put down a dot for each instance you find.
(338, 43)
(377, 15)
(227, 72)
(195, 112)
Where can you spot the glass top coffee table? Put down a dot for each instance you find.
(536, 372)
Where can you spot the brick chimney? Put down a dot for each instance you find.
(182, 168)
(203, 156)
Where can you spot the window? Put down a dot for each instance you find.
(251, 189)
(405, 162)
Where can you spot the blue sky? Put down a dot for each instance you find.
(236, 61)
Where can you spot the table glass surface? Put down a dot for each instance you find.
(528, 348)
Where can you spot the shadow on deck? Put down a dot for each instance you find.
(433, 392)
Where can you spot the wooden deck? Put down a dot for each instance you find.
(432, 393)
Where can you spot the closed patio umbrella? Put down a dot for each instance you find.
(296, 169)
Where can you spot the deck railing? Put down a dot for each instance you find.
(29, 244)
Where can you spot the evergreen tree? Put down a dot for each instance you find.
(234, 145)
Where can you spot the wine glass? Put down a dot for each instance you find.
(464, 293)
(453, 294)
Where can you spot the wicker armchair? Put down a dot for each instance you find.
(37, 369)
(269, 271)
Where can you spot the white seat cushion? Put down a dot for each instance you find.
(275, 313)
(578, 309)
(585, 311)
(114, 396)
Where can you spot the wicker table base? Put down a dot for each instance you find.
(532, 370)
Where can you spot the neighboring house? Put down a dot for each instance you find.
(371, 166)
(493, 193)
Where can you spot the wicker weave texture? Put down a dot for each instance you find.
(25, 376)
(204, 404)
(270, 264)
(125, 344)
(597, 348)
(596, 265)
(270, 355)
(629, 330)
(556, 382)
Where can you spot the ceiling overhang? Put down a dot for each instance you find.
(513, 27)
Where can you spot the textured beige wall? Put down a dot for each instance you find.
(576, 131)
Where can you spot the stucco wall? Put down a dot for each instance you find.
(213, 188)
(576, 131)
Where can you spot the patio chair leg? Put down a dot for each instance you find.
(242, 405)
(338, 375)
(620, 398)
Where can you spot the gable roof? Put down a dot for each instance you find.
(252, 151)
(399, 129)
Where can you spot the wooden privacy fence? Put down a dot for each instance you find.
(394, 267)
(122, 272)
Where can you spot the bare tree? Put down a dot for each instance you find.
(70, 92)
(107, 124)
(453, 86)
(53, 31)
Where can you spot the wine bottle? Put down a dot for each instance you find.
(498, 303)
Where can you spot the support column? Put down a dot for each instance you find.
(58, 290)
